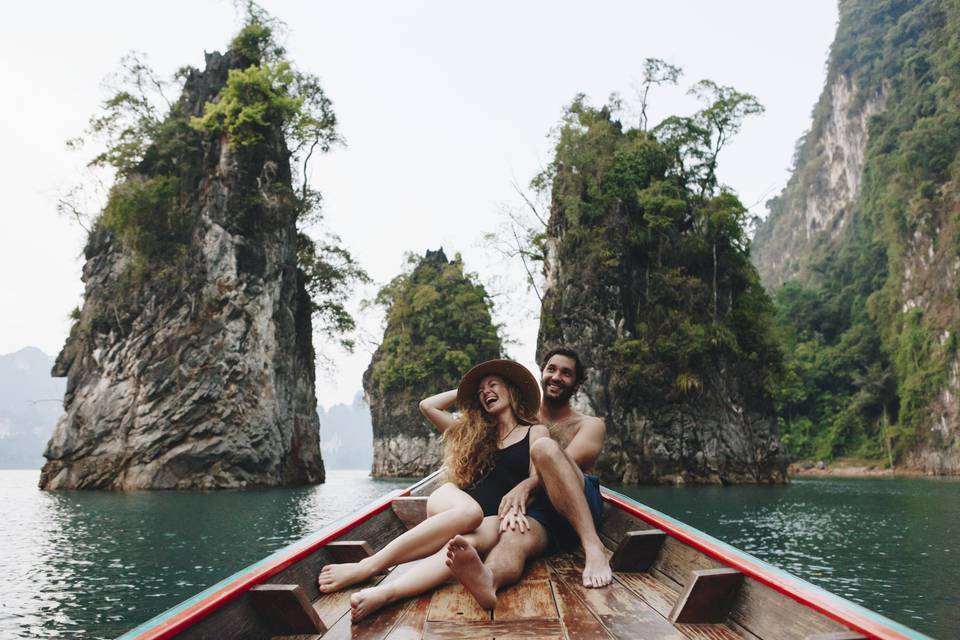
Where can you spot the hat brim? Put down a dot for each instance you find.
(515, 372)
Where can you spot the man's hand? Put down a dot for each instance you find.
(516, 499)
(514, 521)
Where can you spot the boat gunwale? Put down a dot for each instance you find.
(187, 613)
(835, 607)
(183, 615)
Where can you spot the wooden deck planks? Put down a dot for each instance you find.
(621, 612)
(656, 593)
(452, 603)
(411, 624)
(528, 599)
(549, 603)
(575, 618)
(483, 629)
(708, 632)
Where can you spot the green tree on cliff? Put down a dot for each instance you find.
(153, 148)
(438, 326)
(642, 212)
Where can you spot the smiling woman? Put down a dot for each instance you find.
(487, 453)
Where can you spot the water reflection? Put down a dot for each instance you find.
(888, 544)
(91, 564)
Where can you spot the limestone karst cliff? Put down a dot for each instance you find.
(438, 326)
(819, 200)
(862, 248)
(648, 278)
(191, 363)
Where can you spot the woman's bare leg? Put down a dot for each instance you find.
(424, 575)
(452, 512)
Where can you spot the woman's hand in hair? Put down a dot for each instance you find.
(435, 408)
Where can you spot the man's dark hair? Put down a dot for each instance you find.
(569, 353)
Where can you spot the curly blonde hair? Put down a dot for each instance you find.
(470, 444)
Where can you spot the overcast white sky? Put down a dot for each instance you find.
(443, 105)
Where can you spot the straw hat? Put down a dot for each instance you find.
(515, 372)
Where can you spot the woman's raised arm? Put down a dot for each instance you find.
(435, 408)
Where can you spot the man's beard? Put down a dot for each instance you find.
(563, 398)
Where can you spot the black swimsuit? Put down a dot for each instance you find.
(510, 466)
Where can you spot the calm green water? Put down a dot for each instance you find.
(95, 564)
(890, 544)
(83, 564)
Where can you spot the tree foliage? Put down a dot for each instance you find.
(155, 149)
(863, 362)
(438, 326)
(641, 212)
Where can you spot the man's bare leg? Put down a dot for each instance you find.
(562, 480)
(426, 574)
(503, 566)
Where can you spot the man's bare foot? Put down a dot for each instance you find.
(596, 567)
(366, 601)
(334, 577)
(466, 566)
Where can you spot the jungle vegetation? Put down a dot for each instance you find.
(438, 325)
(638, 209)
(862, 362)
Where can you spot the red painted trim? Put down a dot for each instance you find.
(188, 617)
(833, 610)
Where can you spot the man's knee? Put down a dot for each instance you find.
(545, 450)
(523, 545)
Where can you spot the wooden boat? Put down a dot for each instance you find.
(671, 582)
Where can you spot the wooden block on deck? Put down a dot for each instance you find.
(286, 609)
(708, 596)
(637, 550)
(411, 510)
(838, 635)
(349, 550)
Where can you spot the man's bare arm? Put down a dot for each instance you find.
(585, 447)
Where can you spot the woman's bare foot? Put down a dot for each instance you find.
(466, 566)
(334, 577)
(596, 567)
(366, 601)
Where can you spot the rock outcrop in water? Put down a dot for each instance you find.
(191, 364)
(438, 326)
(648, 279)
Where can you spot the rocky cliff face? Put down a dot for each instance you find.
(647, 277)
(202, 375)
(438, 326)
(820, 198)
(868, 221)
(719, 436)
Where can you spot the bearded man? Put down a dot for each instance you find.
(555, 508)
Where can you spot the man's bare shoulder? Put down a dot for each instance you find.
(592, 423)
(583, 421)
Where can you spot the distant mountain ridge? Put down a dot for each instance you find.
(346, 435)
(31, 401)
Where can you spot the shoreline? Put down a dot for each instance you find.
(851, 469)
